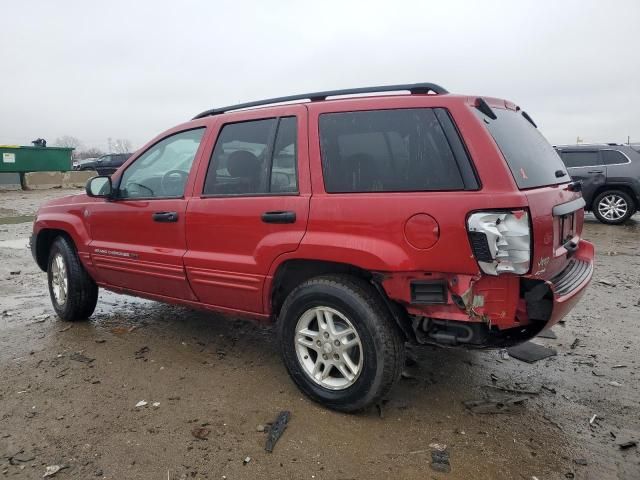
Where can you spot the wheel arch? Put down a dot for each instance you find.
(292, 272)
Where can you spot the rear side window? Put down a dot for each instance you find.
(254, 158)
(532, 161)
(581, 158)
(613, 157)
(390, 151)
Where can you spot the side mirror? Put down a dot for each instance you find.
(100, 187)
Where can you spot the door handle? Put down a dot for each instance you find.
(595, 171)
(279, 217)
(165, 217)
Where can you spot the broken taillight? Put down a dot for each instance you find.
(501, 241)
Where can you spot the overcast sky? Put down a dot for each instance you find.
(131, 69)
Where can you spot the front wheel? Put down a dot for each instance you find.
(73, 292)
(340, 343)
(613, 207)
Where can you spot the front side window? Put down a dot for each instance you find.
(162, 171)
(586, 158)
(387, 151)
(257, 157)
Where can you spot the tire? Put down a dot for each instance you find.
(613, 207)
(79, 300)
(378, 354)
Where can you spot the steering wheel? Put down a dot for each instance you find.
(173, 182)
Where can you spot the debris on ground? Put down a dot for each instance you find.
(441, 447)
(504, 355)
(619, 366)
(613, 383)
(627, 444)
(440, 460)
(518, 391)
(201, 433)
(246, 460)
(606, 282)
(593, 419)
(580, 461)
(121, 330)
(260, 428)
(493, 405)
(140, 353)
(141, 403)
(531, 352)
(80, 357)
(51, 470)
(14, 272)
(155, 404)
(575, 343)
(277, 429)
(548, 333)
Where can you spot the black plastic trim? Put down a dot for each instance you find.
(414, 88)
(428, 292)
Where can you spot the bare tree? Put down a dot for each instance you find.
(68, 141)
(122, 145)
(91, 152)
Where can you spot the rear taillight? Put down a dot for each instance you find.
(501, 241)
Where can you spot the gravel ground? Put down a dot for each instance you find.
(68, 392)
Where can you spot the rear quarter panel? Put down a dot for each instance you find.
(367, 229)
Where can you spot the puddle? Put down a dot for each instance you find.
(18, 219)
(17, 244)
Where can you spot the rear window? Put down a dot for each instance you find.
(613, 157)
(533, 162)
(391, 151)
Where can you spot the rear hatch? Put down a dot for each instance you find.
(556, 211)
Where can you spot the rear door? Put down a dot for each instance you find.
(250, 205)
(138, 239)
(586, 166)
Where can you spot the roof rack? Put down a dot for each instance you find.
(414, 88)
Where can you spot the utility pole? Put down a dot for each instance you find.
(109, 144)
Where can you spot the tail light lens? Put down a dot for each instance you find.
(501, 241)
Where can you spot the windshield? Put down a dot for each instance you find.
(532, 160)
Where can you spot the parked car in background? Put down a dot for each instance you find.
(610, 176)
(76, 164)
(106, 164)
(357, 224)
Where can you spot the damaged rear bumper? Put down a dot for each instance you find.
(486, 311)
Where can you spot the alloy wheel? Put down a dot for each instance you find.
(613, 207)
(328, 348)
(59, 279)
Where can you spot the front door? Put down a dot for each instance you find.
(138, 239)
(251, 207)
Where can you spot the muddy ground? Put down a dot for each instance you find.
(68, 391)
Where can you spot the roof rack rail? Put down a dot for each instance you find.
(414, 88)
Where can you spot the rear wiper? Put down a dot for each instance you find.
(529, 119)
(560, 173)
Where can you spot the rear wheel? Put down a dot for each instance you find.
(73, 292)
(613, 207)
(339, 342)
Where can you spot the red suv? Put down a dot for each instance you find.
(355, 224)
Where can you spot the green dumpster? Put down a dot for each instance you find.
(18, 159)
